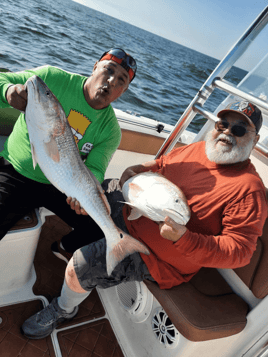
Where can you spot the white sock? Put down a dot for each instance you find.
(69, 299)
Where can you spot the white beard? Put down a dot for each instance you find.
(220, 155)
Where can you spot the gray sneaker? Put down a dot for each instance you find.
(45, 321)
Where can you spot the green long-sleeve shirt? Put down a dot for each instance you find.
(96, 132)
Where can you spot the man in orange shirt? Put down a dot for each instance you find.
(228, 210)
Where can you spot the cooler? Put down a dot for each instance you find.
(17, 251)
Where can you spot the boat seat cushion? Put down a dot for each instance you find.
(203, 309)
(255, 274)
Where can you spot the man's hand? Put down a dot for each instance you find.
(75, 205)
(137, 169)
(126, 175)
(171, 230)
(17, 96)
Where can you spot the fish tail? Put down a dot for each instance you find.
(126, 246)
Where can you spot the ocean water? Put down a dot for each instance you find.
(71, 36)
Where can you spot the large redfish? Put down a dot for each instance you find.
(154, 196)
(54, 149)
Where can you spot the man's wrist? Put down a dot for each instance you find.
(7, 88)
(182, 233)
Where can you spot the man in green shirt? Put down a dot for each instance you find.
(86, 102)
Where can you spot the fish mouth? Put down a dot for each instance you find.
(176, 214)
(33, 81)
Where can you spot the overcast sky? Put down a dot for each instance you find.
(208, 26)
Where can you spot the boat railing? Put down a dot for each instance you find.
(230, 88)
(215, 80)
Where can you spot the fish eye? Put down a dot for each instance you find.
(177, 200)
(47, 93)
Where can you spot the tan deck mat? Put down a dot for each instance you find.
(50, 272)
(93, 340)
(12, 342)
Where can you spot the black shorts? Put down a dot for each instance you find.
(90, 267)
(19, 195)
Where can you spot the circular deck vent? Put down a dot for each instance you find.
(164, 330)
(135, 298)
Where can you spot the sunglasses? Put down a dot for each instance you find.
(121, 57)
(236, 130)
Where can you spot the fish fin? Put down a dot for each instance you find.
(135, 214)
(135, 189)
(52, 150)
(104, 198)
(126, 246)
(101, 191)
(33, 156)
(127, 203)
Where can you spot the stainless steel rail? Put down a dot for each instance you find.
(198, 109)
(264, 353)
(230, 88)
(220, 71)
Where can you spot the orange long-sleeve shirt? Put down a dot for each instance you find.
(228, 210)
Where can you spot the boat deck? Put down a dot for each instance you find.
(88, 334)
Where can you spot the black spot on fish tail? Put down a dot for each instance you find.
(126, 246)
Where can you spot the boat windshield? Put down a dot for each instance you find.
(255, 83)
